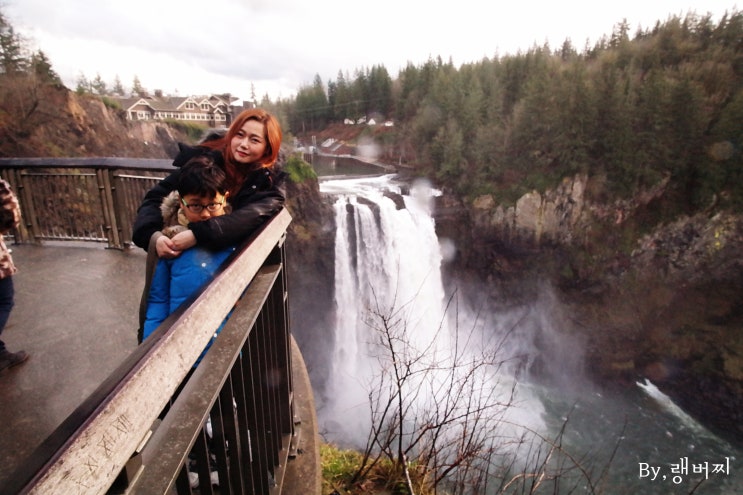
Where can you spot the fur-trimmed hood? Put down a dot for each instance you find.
(174, 220)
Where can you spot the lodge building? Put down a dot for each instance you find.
(213, 111)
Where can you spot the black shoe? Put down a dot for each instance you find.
(9, 359)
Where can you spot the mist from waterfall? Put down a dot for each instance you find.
(388, 263)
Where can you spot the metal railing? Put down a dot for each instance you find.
(81, 199)
(160, 422)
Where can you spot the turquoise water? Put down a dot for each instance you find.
(644, 442)
(342, 166)
(629, 441)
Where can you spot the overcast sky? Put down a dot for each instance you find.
(215, 46)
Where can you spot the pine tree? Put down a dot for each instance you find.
(99, 86)
(137, 88)
(12, 58)
(118, 88)
(83, 85)
(42, 68)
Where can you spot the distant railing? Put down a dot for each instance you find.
(157, 417)
(81, 199)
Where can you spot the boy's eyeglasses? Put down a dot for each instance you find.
(211, 207)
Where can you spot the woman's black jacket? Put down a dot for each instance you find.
(261, 196)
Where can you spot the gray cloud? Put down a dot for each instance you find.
(279, 45)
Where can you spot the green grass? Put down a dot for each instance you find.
(340, 465)
(298, 169)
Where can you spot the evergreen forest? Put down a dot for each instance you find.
(636, 108)
(664, 103)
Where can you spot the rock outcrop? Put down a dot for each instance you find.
(311, 268)
(62, 123)
(664, 305)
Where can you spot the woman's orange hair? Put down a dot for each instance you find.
(236, 172)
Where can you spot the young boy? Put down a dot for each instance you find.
(200, 195)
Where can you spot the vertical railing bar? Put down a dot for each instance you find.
(31, 219)
(121, 206)
(13, 177)
(278, 307)
(108, 208)
(225, 439)
(261, 468)
(238, 451)
(200, 453)
(182, 482)
(265, 394)
(277, 375)
(289, 363)
(245, 423)
(268, 389)
(218, 441)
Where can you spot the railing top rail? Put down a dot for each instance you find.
(87, 451)
(89, 162)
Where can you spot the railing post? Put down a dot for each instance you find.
(28, 211)
(13, 177)
(105, 188)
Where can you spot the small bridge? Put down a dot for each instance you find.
(93, 412)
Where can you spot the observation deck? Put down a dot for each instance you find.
(81, 415)
(76, 315)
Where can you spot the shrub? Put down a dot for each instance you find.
(298, 169)
(191, 129)
(111, 103)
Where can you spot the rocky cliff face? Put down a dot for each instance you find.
(61, 123)
(311, 269)
(664, 305)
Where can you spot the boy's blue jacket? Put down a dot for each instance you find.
(176, 280)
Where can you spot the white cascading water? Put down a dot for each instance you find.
(386, 258)
(388, 263)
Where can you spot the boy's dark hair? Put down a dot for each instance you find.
(202, 176)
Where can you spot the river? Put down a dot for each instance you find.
(388, 277)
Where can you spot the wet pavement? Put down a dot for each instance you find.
(75, 313)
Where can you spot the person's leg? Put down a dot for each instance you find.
(6, 304)
(7, 358)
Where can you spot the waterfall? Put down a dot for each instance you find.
(387, 260)
(388, 264)
(388, 276)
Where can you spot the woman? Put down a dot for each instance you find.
(250, 149)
